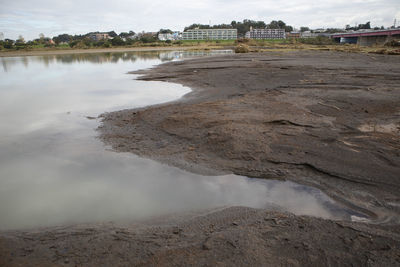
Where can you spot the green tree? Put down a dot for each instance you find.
(8, 43)
(112, 34)
(165, 31)
(279, 24)
(117, 41)
(304, 29)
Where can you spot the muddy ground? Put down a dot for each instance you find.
(325, 119)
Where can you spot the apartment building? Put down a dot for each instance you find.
(265, 34)
(210, 34)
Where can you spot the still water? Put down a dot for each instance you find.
(53, 169)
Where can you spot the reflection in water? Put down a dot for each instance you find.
(109, 57)
(54, 171)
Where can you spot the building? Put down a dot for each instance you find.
(265, 34)
(210, 34)
(293, 35)
(170, 36)
(99, 36)
(308, 34)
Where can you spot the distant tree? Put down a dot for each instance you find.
(206, 26)
(73, 43)
(279, 25)
(148, 38)
(112, 34)
(333, 30)
(276, 24)
(8, 43)
(117, 41)
(243, 27)
(365, 26)
(304, 29)
(360, 26)
(126, 34)
(62, 38)
(1, 36)
(165, 31)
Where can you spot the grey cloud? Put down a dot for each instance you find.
(30, 18)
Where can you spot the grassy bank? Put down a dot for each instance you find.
(254, 46)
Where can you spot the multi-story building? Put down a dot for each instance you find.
(265, 34)
(210, 34)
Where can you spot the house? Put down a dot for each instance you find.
(293, 35)
(170, 36)
(99, 36)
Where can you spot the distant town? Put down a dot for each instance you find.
(362, 34)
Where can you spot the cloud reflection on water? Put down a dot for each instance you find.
(54, 171)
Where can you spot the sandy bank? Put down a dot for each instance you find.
(325, 119)
(97, 50)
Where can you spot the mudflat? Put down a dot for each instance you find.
(38, 52)
(326, 119)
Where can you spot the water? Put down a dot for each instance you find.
(53, 169)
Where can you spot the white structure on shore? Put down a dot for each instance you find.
(265, 34)
(170, 36)
(210, 34)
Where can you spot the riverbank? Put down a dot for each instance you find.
(325, 119)
(256, 46)
(320, 118)
(235, 236)
(18, 53)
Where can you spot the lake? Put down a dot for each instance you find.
(55, 171)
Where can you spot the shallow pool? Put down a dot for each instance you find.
(53, 169)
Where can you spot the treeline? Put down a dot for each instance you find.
(83, 41)
(243, 27)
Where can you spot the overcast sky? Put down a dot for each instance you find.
(29, 18)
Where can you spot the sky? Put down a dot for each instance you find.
(29, 18)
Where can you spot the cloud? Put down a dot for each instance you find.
(30, 18)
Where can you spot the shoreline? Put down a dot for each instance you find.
(261, 115)
(204, 132)
(101, 50)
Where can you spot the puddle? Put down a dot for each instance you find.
(54, 171)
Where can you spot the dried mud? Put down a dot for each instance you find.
(326, 119)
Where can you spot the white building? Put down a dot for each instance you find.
(170, 36)
(210, 34)
(265, 34)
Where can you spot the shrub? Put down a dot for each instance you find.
(242, 48)
(393, 43)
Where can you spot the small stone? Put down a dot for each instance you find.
(206, 246)
(176, 231)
